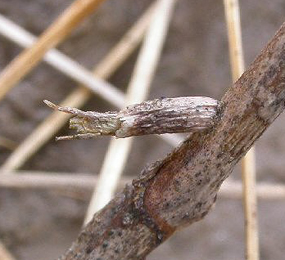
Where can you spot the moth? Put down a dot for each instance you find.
(158, 116)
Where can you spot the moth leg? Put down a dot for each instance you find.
(76, 137)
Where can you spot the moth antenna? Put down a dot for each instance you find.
(69, 110)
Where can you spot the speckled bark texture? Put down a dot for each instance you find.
(181, 189)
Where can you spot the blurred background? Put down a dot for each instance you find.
(42, 223)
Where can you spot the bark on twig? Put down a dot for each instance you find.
(182, 188)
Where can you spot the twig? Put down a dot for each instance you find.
(4, 253)
(33, 180)
(137, 91)
(182, 188)
(46, 130)
(248, 162)
(64, 64)
(61, 28)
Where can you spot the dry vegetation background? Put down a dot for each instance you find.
(42, 224)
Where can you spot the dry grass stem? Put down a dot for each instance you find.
(51, 180)
(85, 182)
(61, 28)
(7, 143)
(248, 162)
(77, 98)
(250, 204)
(139, 85)
(64, 64)
(4, 253)
(265, 191)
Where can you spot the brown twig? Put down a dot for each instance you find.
(182, 188)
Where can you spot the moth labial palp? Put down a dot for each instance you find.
(158, 116)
